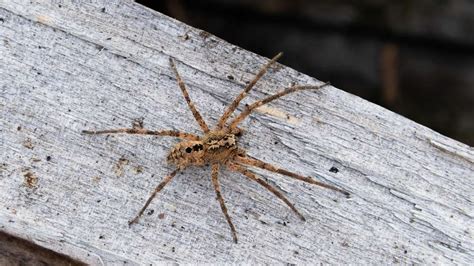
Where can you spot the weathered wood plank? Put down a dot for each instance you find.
(71, 66)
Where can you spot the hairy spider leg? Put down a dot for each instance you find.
(156, 191)
(195, 112)
(251, 175)
(266, 166)
(141, 131)
(231, 108)
(253, 106)
(217, 188)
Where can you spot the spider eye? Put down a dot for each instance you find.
(189, 150)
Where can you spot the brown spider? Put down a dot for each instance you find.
(219, 146)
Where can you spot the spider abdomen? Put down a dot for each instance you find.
(187, 153)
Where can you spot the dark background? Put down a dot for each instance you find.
(415, 58)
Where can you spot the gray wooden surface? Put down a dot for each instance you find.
(90, 64)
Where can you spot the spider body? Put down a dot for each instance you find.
(219, 147)
(215, 147)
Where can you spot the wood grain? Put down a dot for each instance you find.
(103, 64)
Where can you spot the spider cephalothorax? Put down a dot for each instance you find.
(218, 147)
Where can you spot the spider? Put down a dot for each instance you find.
(219, 146)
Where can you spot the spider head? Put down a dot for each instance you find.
(216, 141)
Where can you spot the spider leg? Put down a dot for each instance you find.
(263, 165)
(217, 188)
(238, 168)
(195, 112)
(141, 131)
(248, 110)
(231, 108)
(156, 191)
